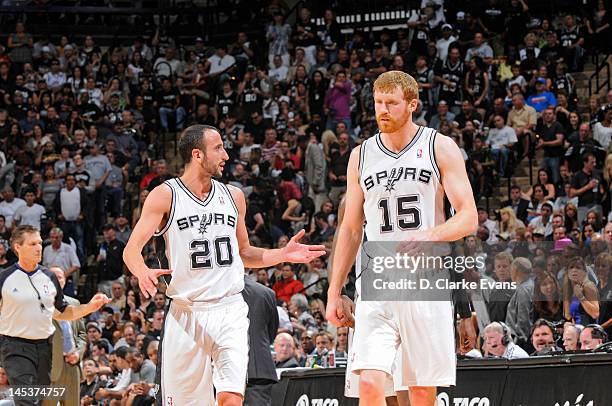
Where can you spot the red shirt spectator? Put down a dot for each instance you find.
(288, 286)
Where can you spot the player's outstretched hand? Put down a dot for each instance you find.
(148, 280)
(99, 300)
(299, 253)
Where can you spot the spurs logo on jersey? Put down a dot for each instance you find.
(200, 244)
(402, 190)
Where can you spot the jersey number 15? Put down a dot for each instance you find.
(408, 214)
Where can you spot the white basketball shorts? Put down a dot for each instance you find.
(351, 380)
(420, 332)
(204, 344)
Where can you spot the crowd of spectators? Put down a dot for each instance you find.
(86, 132)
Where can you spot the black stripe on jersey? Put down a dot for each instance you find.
(160, 253)
(432, 154)
(171, 215)
(362, 152)
(406, 148)
(194, 197)
(224, 186)
(449, 210)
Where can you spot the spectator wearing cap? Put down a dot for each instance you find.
(519, 314)
(543, 98)
(109, 259)
(443, 115)
(446, 39)
(589, 186)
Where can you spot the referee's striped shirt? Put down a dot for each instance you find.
(22, 313)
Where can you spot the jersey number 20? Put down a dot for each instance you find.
(408, 215)
(201, 253)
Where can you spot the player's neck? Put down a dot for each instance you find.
(397, 141)
(198, 183)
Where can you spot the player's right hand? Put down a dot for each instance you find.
(336, 312)
(148, 280)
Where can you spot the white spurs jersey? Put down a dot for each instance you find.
(402, 191)
(200, 244)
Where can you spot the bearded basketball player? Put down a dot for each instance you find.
(425, 329)
(205, 243)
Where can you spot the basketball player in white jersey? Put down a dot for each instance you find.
(394, 396)
(397, 181)
(201, 222)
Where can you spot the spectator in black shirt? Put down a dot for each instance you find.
(589, 186)
(552, 51)
(337, 168)
(202, 116)
(109, 259)
(256, 126)
(378, 64)
(551, 135)
(493, 18)
(572, 39)
(305, 35)
(168, 101)
(468, 113)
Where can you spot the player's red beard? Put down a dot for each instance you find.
(389, 124)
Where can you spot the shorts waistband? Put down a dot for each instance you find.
(28, 340)
(211, 305)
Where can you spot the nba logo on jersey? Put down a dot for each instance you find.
(221, 200)
(46, 289)
(169, 401)
(419, 153)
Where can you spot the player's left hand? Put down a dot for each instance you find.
(99, 300)
(299, 253)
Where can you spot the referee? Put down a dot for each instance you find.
(30, 297)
